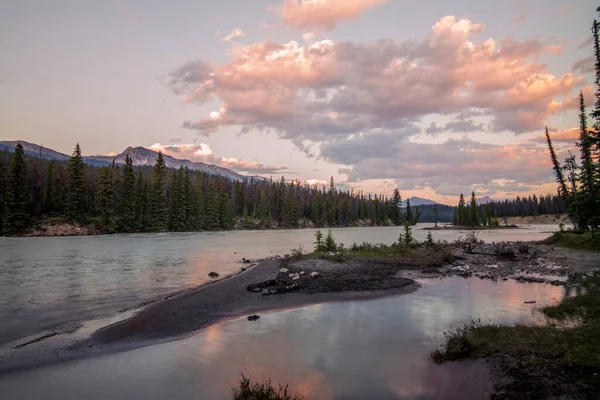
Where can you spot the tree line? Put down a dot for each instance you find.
(128, 198)
(579, 179)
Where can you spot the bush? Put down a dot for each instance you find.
(262, 391)
(297, 253)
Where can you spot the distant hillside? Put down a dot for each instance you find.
(418, 201)
(33, 150)
(143, 156)
(140, 156)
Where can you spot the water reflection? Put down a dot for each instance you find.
(359, 350)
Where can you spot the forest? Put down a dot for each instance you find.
(127, 198)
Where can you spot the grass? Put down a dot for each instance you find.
(541, 361)
(247, 390)
(575, 240)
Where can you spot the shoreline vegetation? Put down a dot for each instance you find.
(58, 227)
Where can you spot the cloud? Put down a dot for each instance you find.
(237, 32)
(570, 136)
(585, 43)
(583, 66)
(249, 167)
(456, 162)
(458, 126)
(521, 18)
(193, 152)
(326, 89)
(321, 14)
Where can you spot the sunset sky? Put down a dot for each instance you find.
(433, 97)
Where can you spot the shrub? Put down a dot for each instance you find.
(262, 391)
(297, 253)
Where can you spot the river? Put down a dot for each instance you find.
(50, 284)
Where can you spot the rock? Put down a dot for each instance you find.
(530, 302)
(302, 273)
(291, 275)
(265, 292)
(253, 317)
(295, 277)
(243, 269)
(284, 270)
(314, 274)
(213, 274)
(256, 290)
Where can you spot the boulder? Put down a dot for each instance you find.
(265, 292)
(295, 277)
(284, 270)
(314, 274)
(291, 275)
(213, 274)
(302, 273)
(253, 317)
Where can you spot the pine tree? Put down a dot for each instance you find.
(224, 211)
(330, 242)
(262, 208)
(409, 214)
(319, 245)
(141, 203)
(126, 211)
(76, 186)
(560, 178)
(177, 206)
(408, 237)
(435, 214)
(474, 217)
(16, 214)
(396, 210)
(49, 189)
(588, 174)
(104, 198)
(429, 240)
(462, 211)
(158, 197)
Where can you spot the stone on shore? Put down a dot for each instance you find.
(213, 274)
(314, 274)
(284, 270)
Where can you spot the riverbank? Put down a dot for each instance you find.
(545, 219)
(559, 360)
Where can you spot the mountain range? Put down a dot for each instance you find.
(143, 156)
(139, 155)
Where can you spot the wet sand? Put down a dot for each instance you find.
(229, 298)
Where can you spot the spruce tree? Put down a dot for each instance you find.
(560, 178)
(104, 198)
(435, 214)
(49, 189)
(141, 203)
(158, 198)
(330, 242)
(126, 211)
(408, 237)
(409, 214)
(474, 217)
(16, 215)
(588, 171)
(462, 211)
(76, 186)
(211, 208)
(262, 208)
(396, 210)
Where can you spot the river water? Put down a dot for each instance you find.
(375, 349)
(55, 283)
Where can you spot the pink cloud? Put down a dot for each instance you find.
(193, 152)
(252, 167)
(327, 89)
(237, 32)
(322, 14)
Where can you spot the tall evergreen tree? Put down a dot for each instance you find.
(141, 203)
(49, 189)
(560, 178)
(16, 215)
(474, 217)
(461, 214)
(104, 198)
(126, 211)
(588, 200)
(158, 198)
(396, 210)
(76, 186)
(435, 214)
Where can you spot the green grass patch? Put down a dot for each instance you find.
(575, 240)
(247, 390)
(542, 361)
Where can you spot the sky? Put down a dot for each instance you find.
(433, 97)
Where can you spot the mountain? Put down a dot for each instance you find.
(485, 200)
(139, 155)
(418, 201)
(35, 150)
(143, 156)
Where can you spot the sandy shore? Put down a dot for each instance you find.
(229, 298)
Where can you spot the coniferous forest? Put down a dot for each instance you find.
(127, 198)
